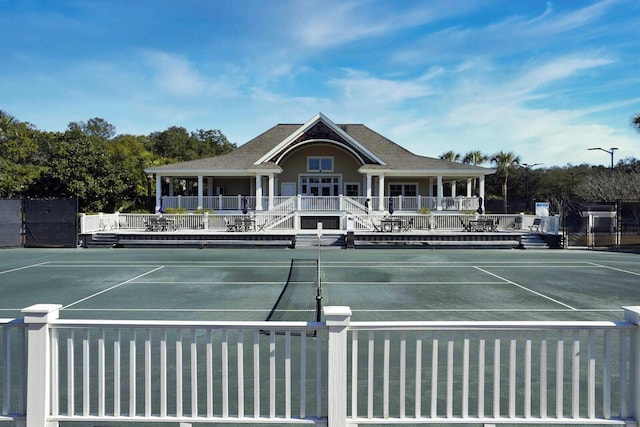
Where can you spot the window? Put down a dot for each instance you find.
(320, 164)
(406, 190)
(352, 189)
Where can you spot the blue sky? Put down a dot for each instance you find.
(546, 80)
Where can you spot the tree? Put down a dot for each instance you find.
(18, 153)
(79, 165)
(450, 156)
(7, 124)
(94, 127)
(610, 185)
(504, 161)
(177, 144)
(635, 122)
(475, 158)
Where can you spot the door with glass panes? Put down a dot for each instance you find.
(320, 185)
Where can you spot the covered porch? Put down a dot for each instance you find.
(200, 194)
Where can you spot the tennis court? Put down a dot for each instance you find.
(247, 284)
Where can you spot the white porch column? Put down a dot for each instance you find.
(258, 192)
(200, 192)
(454, 190)
(368, 187)
(430, 194)
(271, 189)
(469, 186)
(158, 192)
(481, 190)
(381, 192)
(439, 192)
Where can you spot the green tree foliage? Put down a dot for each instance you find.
(178, 144)
(79, 165)
(88, 160)
(475, 158)
(96, 126)
(450, 156)
(635, 122)
(131, 154)
(19, 151)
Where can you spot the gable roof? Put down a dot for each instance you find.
(375, 152)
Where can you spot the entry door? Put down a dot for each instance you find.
(323, 186)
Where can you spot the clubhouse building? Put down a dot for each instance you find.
(320, 169)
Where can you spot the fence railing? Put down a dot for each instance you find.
(281, 217)
(335, 372)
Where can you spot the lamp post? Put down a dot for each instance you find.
(609, 151)
(526, 167)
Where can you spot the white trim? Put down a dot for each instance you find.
(315, 119)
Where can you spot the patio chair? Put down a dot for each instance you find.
(536, 225)
(465, 227)
(231, 226)
(408, 226)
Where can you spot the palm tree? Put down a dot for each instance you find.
(7, 121)
(636, 122)
(475, 158)
(503, 162)
(450, 156)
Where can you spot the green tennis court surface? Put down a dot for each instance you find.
(246, 284)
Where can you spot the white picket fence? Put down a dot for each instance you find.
(334, 373)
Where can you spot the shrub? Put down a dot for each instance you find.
(175, 211)
(424, 211)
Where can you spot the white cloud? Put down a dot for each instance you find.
(175, 74)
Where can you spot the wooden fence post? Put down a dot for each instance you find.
(337, 319)
(37, 318)
(632, 315)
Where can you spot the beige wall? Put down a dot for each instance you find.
(344, 164)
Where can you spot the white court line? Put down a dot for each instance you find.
(25, 267)
(526, 289)
(615, 269)
(411, 283)
(191, 282)
(364, 310)
(189, 310)
(111, 288)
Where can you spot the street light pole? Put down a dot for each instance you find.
(526, 167)
(609, 151)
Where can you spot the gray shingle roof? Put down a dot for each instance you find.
(396, 157)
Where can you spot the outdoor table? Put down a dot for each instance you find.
(245, 224)
(390, 224)
(482, 225)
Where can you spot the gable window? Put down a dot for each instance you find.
(319, 164)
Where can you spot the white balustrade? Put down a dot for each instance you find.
(337, 372)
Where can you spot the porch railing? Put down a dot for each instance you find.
(281, 218)
(320, 203)
(337, 371)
